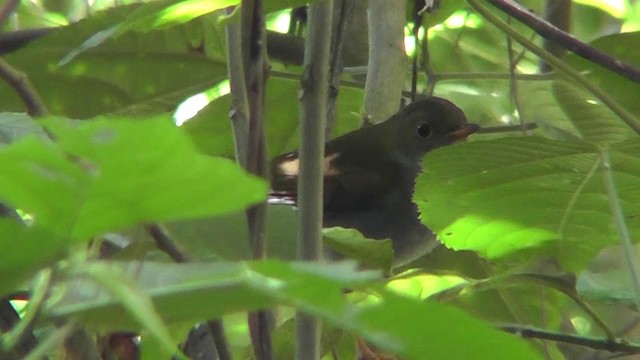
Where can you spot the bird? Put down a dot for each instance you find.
(369, 174)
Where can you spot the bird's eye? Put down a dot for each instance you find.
(423, 130)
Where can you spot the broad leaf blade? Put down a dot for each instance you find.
(500, 197)
(147, 170)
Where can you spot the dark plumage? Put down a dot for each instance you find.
(370, 174)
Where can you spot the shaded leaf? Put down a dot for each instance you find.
(500, 197)
(594, 121)
(178, 292)
(352, 244)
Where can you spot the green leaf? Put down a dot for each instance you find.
(123, 74)
(594, 121)
(25, 249)
(500, 197)
(407, 327)
(138, 305)
(622, 47)
(351, 243)
(147, 170)
(159, 14)
(39, 179)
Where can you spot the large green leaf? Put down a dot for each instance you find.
(111, 173)
(499, 197)
(148, 170)
(142, 73)
(401, 325)
(594, 121)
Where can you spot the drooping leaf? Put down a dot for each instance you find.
(351, 243)
(499, 197)
(407, 327)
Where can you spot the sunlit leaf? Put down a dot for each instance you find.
(500, 197)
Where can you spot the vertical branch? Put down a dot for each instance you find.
(387, 60)
(621, 226)
(558, 14)
(237, 83)
(343, 11)
(253, 50)
(312, 121)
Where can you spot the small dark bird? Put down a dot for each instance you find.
(369, 174)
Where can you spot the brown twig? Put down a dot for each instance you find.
(253, 46)
(165, 243)
(344, 11)
(566, 40)
(21, 84)
(612, 345)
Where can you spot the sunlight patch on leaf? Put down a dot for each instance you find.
(503, 196)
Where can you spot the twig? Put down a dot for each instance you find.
(7, 10)
(165, 243)
(621, 225)
(253, 46)
(344, 10)
(612, 345)
(552, 33)
(506, 128)
(239, 103)
(219, 338)
(21, 84)
(513, 83)
(557, 13)
(310, 183)
(518, 279)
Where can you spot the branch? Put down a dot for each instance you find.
(7, 9)
(165, 243)
(21, 84)
(313, 112)
(612, 345)
(253, 47)
(552, 33)
(344, 11)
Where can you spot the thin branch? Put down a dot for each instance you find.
(612, 345)
(344, 10)
(313, 112)
(7, 10)
(21, 84)
(253, 47)
(560, 284)
(552, 33)
(165, 243)
(220, 339)
(239, 103)
(621, 226)
(557, 13)
(513, 83)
